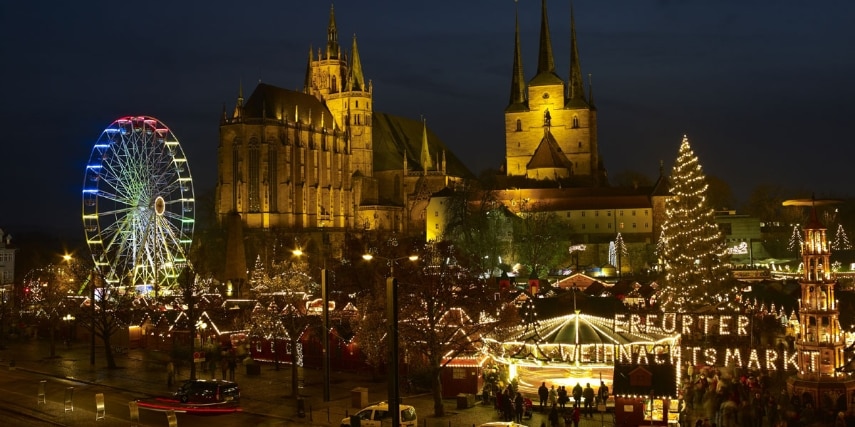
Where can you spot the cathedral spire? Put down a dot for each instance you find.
(307, 84)
(545, 62)
(332, 36)
(356, 80)
(591, 91)
(577, 85)
(517, 78)
(238, 114)
(425, 159)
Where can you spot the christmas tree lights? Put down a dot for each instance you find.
(841, 240)
(692, 244)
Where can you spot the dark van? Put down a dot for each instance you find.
(209, 392)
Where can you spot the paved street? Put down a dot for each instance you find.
(265, 398)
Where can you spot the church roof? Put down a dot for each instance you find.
(549, 155)
(394, 135)
(271, 102)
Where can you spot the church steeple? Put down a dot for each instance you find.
(332, 36)
(307, 83)
(238, 114)
(517, 78)
(577, 85)
(425, 159)
(545, 61)
(356, 81)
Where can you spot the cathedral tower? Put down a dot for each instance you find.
(550, 125)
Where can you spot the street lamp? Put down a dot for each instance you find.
(392, 317)
(325, 316)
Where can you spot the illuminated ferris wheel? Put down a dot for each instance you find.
(138, 205)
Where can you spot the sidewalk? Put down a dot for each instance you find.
(268, 394)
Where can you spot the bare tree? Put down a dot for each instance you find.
(106, 310)
(444, 310)
(284, 295)
(47, 293)
(541, 238)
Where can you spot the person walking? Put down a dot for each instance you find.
(518, 407)
(603, 394)
(170, 374)
(588, 394)
(543, 394)
(553, 414)
(553, 396)
(577, 395)
(232, 367)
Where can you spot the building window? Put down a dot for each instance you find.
(519, 125)
(435, 226)
(596, 213)
(357, 104)
(633, 212)
(580, 144)
(597, 226)
(435, 213)
(610, 226)
(575, 121)
(583, 213)
(568, 214)
(583, 226)
(621, 213)
(609, 213)
(633, 225)
(646, 225)
(645, 212)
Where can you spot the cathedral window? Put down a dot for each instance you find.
(254, 172)
(272, 180)
(357, 104)
(333, 85)
(519, 125)
(580, 144)
(610, 226)
(575, 122)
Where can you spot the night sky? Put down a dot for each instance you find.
(763, 89)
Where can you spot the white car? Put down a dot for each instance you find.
(374, 415)
(502, 424)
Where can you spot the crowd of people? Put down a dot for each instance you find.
(752, 400)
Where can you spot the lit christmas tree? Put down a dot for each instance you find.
(841, 241)
(795, 240)
(693, 245)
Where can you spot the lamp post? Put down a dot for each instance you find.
(325, 319)
(392, 318)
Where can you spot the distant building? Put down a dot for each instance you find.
(322, 158)
(743, 237)
(7, 259)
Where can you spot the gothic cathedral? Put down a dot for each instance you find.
(322, 158)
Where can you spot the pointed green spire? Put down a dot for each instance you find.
(517, 78)
(545, 61)
(577, 85)
(356, 80)
(425, 159)
(332, 36)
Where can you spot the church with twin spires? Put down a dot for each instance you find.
(550, 124)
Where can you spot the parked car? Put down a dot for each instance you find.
(209, 392)
(502, 424)
(375, 415)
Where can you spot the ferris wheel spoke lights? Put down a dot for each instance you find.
(138, 204)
